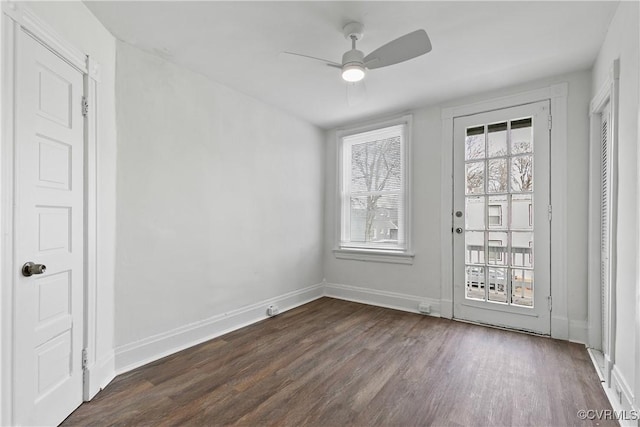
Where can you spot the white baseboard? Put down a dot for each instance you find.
(133, 355)
(378, 298)
(98, 375)
(446, 308)
(620, 397)
(597, 358)
(578, 331)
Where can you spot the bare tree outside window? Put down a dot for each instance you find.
(374, 188)
(495, 170)
(375, 170)
(522, 173)
(475, 149)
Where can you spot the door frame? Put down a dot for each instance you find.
(557, 95)
(14, 19)
(607, 95)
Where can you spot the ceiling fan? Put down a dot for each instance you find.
(355, 64)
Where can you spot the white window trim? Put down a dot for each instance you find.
(390, 255)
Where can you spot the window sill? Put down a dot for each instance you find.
(372, 255)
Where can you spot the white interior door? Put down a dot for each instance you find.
(502, 218)
(48, 307)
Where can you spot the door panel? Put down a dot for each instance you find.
(501, 201)
(49, 230)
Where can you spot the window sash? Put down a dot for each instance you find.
(347, 144)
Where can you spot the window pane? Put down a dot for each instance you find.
(522, 249)
(376, 165)
(522, 211)
(498, 284)
(497, 176)
(474, 213)
(498, 212)
(474, 243)
(374, 219)
(497, 142)
(474, 282)
(522, 287)
(521, 136)
(474, 143)
(522, 173)
(497, 248)
(474, 178)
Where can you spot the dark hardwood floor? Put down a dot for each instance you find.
(337, 363)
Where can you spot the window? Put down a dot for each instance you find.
(495, 215)
(374, 190)
(495, 251)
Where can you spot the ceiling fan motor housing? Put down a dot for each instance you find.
(353, 69)
(353, 57)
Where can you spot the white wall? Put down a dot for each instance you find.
(422, 279)
(622, 41)
(220, 200)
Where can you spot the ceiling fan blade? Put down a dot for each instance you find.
(356, 93)
(399, 50)
(326, 62)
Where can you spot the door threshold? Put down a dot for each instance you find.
(502, 328)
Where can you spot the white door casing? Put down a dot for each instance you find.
(603, 184)
(49, 230)
(507, 313)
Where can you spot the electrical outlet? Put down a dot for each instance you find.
(424, 308)
(273, 310)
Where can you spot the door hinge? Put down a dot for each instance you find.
(85, 358)
(85, 106)
(550, 211)
(549, 301)
(550, 122)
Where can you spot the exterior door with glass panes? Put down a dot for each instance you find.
(501, 222)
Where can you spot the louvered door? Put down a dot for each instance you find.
(605, 220)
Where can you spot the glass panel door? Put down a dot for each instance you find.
(501, 165)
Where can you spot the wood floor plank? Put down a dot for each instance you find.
(333, 362)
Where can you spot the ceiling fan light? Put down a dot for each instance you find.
(353, 73)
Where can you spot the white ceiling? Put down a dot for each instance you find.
(477, 46)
